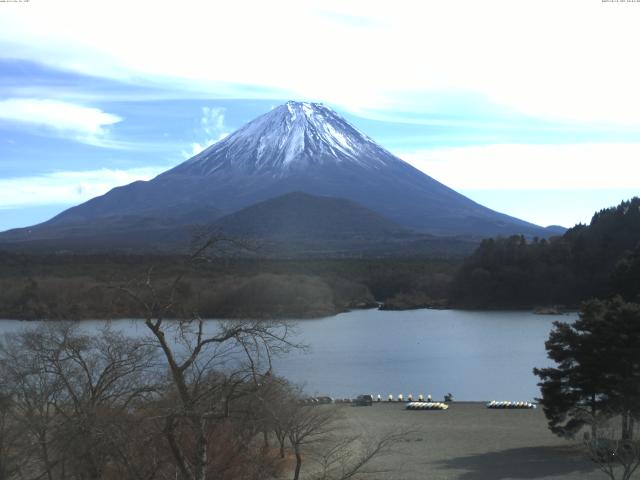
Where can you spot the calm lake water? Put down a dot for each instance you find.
(474, 355)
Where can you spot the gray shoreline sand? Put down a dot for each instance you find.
(470, 442)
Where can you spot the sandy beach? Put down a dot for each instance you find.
(470, 442)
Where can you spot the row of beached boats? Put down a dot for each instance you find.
(491, 404)
(510, 405)
(409, 398)
(427, 406)
(422, 403)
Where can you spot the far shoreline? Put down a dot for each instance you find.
(546, 311)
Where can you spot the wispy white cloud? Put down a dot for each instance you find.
(67, 187)
(77, 122)
(530, 57)
(524, 166)
(212, 129)
(212, 120)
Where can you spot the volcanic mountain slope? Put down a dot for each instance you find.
(302, 225)
(298, 214)
(303, 147)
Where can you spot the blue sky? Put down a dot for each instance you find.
(519, 105)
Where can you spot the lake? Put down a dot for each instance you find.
(474, 355)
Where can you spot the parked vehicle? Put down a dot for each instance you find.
(324, 400)
(363, 401)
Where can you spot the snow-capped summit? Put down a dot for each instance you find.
(291, 136)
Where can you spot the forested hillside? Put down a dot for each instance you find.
(67, 286)
(595, 260)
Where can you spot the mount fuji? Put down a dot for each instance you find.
(296, 147)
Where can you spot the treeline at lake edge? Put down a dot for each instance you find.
(598, 260)
(589, 261)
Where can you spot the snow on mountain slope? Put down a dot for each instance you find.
(291, 136)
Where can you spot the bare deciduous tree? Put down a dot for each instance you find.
(280, 401)
(351, 457)
(70, 390)
(210, 366)
(615, 448)
(10, 458)
(309, 425)
(317, 432)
